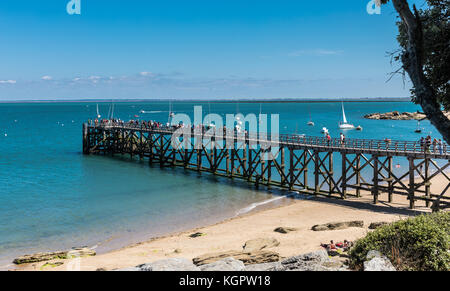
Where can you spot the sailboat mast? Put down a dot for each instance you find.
(112, 111)
(343, 113)
(98, 113)
(170, 111)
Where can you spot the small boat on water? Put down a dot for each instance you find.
(310, 122)
(325, 130)
(98, 114)
(418, 129)
(344, 124)
(171, 113)
(359, 128)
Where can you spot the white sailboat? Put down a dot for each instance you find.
(98, 114)
(171, 113)
(418, 129)
(310, 122)
(344, 124)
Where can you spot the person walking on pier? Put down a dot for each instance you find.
(342, 139)
(428, 144)
(422, 144)
(328, 139)
(439, 145)
(434, 145)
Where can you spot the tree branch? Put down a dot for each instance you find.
(412, 59)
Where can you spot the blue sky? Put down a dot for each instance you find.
(196, 49)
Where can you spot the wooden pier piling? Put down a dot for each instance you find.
(251, 163)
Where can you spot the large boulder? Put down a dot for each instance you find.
(228, 264)
(314, 261)
(263, 267)
(174, 264)
(260, 243)
(248, 258)
(338, 225)
(375, 261)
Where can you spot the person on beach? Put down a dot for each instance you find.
(332, 246)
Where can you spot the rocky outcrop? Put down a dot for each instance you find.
(315, 261)
(263, 267)
(284, 230)
(260, 243)
(175, 264)
(375, 261)
(80, 252)
(375, 225)
(228, 264)
(255, 261)
(197, 234)
(42, 257)
(396, 115)
(338, 225)
(248, 258)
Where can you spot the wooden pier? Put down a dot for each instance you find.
(309, 165)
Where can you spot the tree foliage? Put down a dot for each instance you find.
(417, 244)
(424, 38)
(435, 23)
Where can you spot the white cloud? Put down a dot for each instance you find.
(146, 74)
(47, 78)
(315, 52)
(8, 81)
(94, 79)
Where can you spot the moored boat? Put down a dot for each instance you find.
(344, 124)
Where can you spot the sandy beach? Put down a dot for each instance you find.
(233, 233)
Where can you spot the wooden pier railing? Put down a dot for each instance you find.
(294, 162)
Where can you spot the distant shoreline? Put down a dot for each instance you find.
(366, 100)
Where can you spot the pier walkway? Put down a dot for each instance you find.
(309, 165)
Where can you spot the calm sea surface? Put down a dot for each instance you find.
(52, 197)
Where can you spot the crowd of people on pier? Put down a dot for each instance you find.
(429, 145)
(155, 125)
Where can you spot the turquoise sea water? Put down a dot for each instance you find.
(52, 197)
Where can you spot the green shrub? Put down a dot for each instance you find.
(417, 244)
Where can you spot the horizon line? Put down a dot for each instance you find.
(224, 100)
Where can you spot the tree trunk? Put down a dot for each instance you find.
(413, 64)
